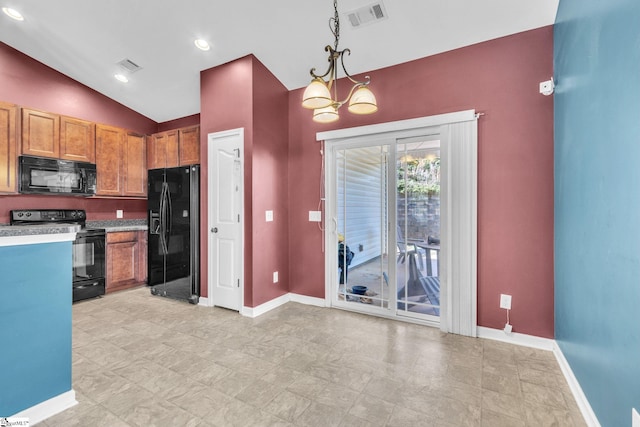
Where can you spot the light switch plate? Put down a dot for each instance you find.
(269, 216)
(315, 216)
(275, 277)
(119, 213)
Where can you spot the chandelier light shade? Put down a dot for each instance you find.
(321, 95)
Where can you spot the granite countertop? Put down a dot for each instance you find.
(119, 225)
(31, 230)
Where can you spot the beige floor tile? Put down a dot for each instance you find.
(142, 360)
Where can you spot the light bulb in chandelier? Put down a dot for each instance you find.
(316, 95)
(326, 115)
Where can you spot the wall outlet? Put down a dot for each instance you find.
(315, 216)
(268, 216)
(275, 277)
(119, 213)
(505, 301)
(635, 418)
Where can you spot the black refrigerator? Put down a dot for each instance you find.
(174, 232)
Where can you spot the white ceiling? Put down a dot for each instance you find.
(85, 39)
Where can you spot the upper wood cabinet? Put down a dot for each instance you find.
(163, 150)
(109, 142)
(8, 147)
(135, 165)
(40, 133)
(120, 162)
(189, 143)
(51, 135)
(173, 148)
(77, 140)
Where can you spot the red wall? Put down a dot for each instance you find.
(226, 103)
(243, 93)
(515, 167)
(29, 83)
(183, 122)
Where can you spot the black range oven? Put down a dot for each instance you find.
(89, 250)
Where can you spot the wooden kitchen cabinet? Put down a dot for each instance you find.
(8, 147)
(163, 150)
(173, 148)
(189, 145)
(120, 162)
(40, 133)
(77, 140)
(135, 165)
(126, 260)
(109, 142)
(59, 137)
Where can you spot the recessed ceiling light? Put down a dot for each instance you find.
(121, 77)
(13, 14)
(202, 44)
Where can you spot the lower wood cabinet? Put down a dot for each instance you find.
(126, 260)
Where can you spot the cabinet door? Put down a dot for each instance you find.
(157, 151)
(8, 154)
(189, 146)
(109, 142)
(135, 165)
(172, 149)
(122, 257)
(40, 133)
(77, 140)
(142, 257)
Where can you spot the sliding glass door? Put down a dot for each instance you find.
(387, 227)
(363, 261)
(418, 227)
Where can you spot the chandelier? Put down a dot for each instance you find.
(318, 95)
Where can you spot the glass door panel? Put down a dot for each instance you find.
(418, 228)
(363, 235)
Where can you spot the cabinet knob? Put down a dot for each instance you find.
(214, 230)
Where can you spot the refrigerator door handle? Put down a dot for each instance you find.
(169, 216)
(163, 219)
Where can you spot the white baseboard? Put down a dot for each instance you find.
(281, 300)
(48, 408)
(267, 306)
(585, 408)
(303, 299)
(516, 338)
(205, 302)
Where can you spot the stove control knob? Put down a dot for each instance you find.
(28, 214)
(73, 214)
(20, 214)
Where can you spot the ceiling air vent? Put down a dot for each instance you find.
(129, 65)
(367, 15)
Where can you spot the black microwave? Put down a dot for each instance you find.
(39, 175)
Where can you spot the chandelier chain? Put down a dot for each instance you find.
(336, 25)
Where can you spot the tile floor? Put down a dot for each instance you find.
(140, 360)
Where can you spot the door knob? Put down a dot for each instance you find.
(214, 230)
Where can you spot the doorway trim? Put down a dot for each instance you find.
(213, 137)
(459, 312)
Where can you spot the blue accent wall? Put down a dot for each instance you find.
(35, 324)
(597, 200)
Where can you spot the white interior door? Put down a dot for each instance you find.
(226, 189)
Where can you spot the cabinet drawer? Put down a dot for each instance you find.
(122, 236)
